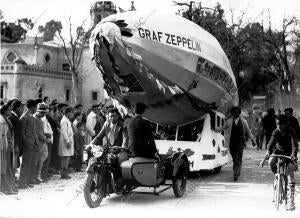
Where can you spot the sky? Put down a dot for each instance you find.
(42, 11)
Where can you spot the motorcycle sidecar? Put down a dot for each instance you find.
(145, 172)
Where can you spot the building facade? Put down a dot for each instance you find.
(35, 69)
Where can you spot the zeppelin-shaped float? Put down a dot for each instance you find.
(165, 61)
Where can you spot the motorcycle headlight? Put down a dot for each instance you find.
(97, 151)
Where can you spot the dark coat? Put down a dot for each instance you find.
(294, 124)
(269, 123)
(141, 140)
(79, 142)
(17, 127)
(29, 136)
(284, 143)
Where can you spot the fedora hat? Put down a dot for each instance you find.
(41, 108)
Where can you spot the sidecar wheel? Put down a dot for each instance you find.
(92, 196)
(179, 182)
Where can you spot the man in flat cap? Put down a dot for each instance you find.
(30, 146)
(17, 110)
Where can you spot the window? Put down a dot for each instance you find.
(67, 97)
(11, 57)
(66, 66)
(192, 131)
(47, 58)
(94, 96)
(218, 121)
(2, 92)
(40, 92)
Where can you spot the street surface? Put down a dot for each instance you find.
(207, 195)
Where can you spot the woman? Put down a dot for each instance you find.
(6, 152)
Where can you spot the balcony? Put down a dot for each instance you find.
(35, 71)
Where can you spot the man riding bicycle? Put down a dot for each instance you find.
(284, 142)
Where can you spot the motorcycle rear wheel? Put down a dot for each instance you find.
(93, 196)
(179, 182)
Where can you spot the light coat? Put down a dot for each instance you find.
(91, 121)
(66, 136)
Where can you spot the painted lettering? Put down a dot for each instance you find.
(168, 38)
(189, 44)
(154, 36)
(159, 36)
(141, 33)
(173, 40)
(147, 33)
(178, 40)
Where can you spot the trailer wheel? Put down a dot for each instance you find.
(179, 181)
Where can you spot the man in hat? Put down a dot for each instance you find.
(30, 145)
(140, 137)
(42, 141)
(239, 132)
(17, 110)
(57, 118)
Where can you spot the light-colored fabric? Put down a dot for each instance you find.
(91, 121)
(74, 124)
(66, 137)
(47, 128)
(6, 144)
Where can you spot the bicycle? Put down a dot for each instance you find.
(280, 179)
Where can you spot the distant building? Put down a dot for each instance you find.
(34, 68)
(102, 9)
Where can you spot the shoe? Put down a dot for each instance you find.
(15, 189)
(22, 186)
(10, 192)
(235, 178)
(39, 180)
(29, 185)
(34, 182)
(66, 177)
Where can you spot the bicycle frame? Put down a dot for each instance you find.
(280, 179)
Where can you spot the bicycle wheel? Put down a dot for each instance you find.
(278, 190)
(284, 189)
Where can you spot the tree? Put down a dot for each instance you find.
(50, 29)
(282, 41)
(257, 56)
(15, 32)
(73, 48)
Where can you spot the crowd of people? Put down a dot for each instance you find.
(43, 138)
(265, 123)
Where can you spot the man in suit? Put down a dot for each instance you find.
(30, 145)
(239, 132)
(14, 118)
(140, 137)
(113, 131)
(42, 141)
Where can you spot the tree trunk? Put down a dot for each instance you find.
(75, 88)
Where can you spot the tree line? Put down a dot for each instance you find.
(258, 53)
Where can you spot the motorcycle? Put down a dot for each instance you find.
(113, 170)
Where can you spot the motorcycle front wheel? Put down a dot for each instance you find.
(93, 191)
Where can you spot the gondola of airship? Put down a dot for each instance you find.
(165, 61)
